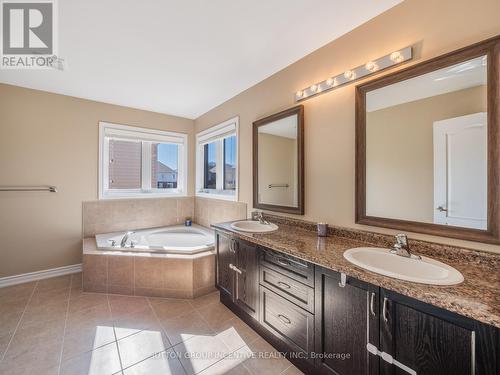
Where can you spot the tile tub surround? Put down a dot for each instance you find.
(53, 327)
(478, 297)
(112, 215)
(147, 274)
(209, 211)
(150, 274)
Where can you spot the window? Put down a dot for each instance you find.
(136, 162)
(217, 161)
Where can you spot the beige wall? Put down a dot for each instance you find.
(400, 157)
(277, 165)
(53, 139)
(433, 27)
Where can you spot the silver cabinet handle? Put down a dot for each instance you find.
(441, 209)
(283, 262)
(343, 280)
(384, 310)
(234, 268)
(284, 319)
(389, 359)
(372, 304)
(233, 246)
(284, 285)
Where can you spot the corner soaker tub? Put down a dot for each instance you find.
(177, 239)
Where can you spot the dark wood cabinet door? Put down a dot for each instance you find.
(346, 321)
(247, 278)
(287, 321)
(432, 342)
(225, 258)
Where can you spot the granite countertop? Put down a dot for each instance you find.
(478, 297)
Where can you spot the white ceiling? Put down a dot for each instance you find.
(457, 77)
(186, 57)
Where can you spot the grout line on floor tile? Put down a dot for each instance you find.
(114, 333)
(159, 323)
(19, 322)
(145, 359)
(65, 324)
(285, 370)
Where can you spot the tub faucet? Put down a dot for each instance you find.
(125, 237)
(402, 248)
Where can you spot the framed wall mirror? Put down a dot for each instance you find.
(278, 162)
(427, 146)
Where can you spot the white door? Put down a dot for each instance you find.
(460, 171)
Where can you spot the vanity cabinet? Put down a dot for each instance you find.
(238, 272)
(287, 301)
(330, 324)
(225, 258)
(246, 274)
(346, 320)
(428, 340)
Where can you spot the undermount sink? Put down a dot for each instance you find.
(424, 270)
(253, 226)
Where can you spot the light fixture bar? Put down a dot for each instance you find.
(352, 75)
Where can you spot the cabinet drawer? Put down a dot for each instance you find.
(296, 292)
(293, 325)
(292, 267)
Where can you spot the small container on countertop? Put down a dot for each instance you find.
(322, 229)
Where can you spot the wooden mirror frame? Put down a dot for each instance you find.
(491, 48)
(299, 210)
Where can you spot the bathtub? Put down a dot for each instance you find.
(177, 239)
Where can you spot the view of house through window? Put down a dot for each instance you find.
(230, 163)
(210, 165)
(164, 166)
(141, 162)
(217, 161)
(125, 161)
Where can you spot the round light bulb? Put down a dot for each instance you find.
(396, 56)
(313, 88)
(330, 81)
(349, 74)
(299, 94)
(371, 66)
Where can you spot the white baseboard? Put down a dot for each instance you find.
(39, 275)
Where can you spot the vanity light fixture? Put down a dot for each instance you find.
(351, 75)
(396, 57)
(371, 66)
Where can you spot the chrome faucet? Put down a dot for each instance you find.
(258, 215)
(402, 248)
(125, 237)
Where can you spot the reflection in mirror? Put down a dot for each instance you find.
(278, 162)
(426, 147)
(278, 157)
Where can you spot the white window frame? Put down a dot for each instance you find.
(109, 131)
(217, 133)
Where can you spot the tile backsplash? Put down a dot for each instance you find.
(210, 211)
(112, 215)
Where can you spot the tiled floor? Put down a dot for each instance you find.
(52, 327)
